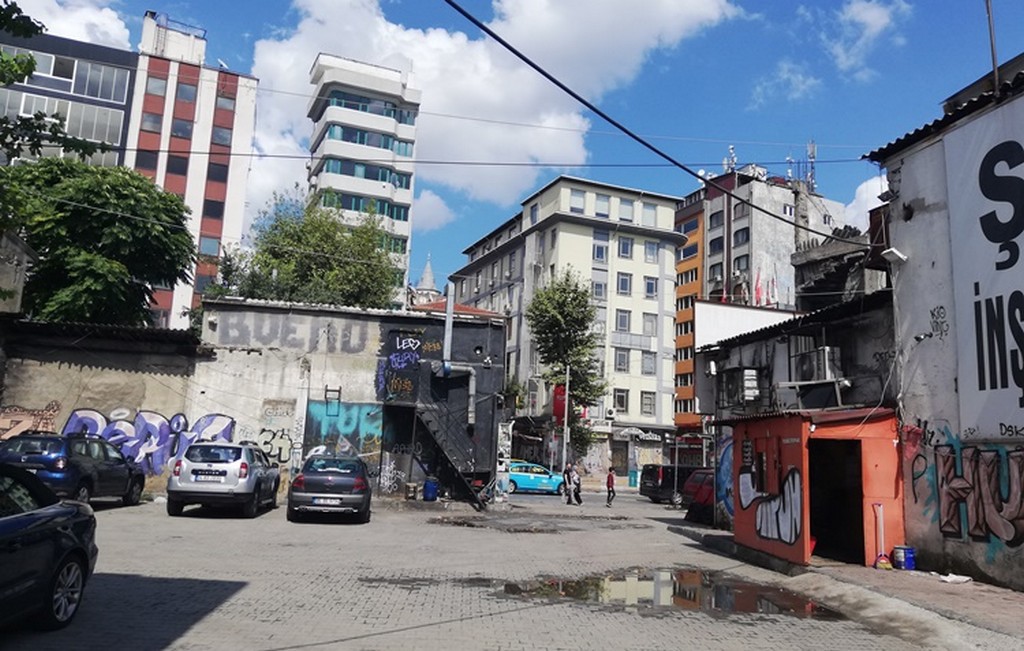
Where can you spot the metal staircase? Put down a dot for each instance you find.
(448, 429)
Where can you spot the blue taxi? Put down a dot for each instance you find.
(532, 477)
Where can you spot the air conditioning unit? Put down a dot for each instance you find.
(609, 414)
(818, 365)
(741, 386)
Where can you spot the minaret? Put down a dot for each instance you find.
(426, 291)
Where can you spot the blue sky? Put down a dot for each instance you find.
(692, 76)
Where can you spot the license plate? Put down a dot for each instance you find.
(327, 501)
(208, 478)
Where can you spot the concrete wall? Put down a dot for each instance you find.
(963, 470)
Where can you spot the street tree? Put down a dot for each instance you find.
(105, 237)
(561, 319)
(31, 133)
(306, 253)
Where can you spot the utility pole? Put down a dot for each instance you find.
(565, 420)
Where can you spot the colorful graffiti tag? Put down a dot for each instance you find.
(977, 488)
(150, 438)
(353, 428)
(15, 419)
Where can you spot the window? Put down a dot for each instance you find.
(601, 246)
(741, 263)
(687, 277)
(626, 210)
(716, 245)
(533, 214)
(742, 236)
(647, 399)
(716, 219)
(177, 165)
(151, 122)
(622, 360)
(689, 225)
(541, 241)
(217, 172)
(221, 136)
(101, 81)
(650, 215)
(186, 92)
(650, 324)
(650, 287)
(715, 271)
(688, 252)
(650, 251)
(602, 205)
(576, 198)
(741, 210)
(554, 233)
(599, 290)
(622, 319)
(788, 210)
(624, 284)
(181, 128)
(156, 86)
(648, 362)
(146, 160)
(620, 400)
(511, 264)
(213, 209)
(209, 246)
(626, 247)
(225, 103)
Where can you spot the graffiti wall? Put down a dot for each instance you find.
(344, 428)
(15, 419)
(724, 509)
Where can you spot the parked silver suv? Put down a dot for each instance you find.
(223, 473)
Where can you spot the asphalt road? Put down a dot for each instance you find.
(540, 575)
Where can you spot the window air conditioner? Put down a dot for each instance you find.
(818, 365)
(609, 414)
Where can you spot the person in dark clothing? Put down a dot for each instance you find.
(610, 483)
(567, 483)
(577, 486)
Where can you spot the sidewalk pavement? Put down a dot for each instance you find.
(842, 585)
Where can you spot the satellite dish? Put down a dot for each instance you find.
(701, 173)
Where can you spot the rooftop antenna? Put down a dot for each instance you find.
(789, 168)
(812, 153)
(729, 162)
(992, 45)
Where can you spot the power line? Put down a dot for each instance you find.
(626, 130)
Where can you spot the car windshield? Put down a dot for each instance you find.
(331, 464)
(33, 445)
(213, 454)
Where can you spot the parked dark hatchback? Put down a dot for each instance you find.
(331, 484)
(47, 551)
(698, 496)
(659, 483)
(79, 467)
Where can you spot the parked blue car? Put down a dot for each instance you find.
(77, 467)
(532, 477)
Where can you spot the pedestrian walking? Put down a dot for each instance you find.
(577, 485)
(610, 483)
(567, 483)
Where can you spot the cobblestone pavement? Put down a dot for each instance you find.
(410, 579)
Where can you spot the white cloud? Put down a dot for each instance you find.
(591, 45)
(864, 200)
(84, 20)
(431, 212)
(861, 25)
(789, 80)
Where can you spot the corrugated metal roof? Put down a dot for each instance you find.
(816, 416)
(867, 302)
(1008, 89)
(115, 332)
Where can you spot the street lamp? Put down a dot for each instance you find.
(565, 420)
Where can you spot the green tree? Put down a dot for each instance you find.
(304, 253)
(105, 236)
(31, 133)
(561, 318)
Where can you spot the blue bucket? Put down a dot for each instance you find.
(430, 489)
(904, 558)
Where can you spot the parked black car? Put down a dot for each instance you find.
(331, 484)
(47, 551)
(659, 483)
(79, 467)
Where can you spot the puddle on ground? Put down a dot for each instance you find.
(687, 589)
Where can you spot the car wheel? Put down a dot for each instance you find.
(82, 493)
(65, 594)
(655, 500)
(134, 494)
(512, 487)
(561, 489)
(677, 499)
(364, 516)
(174, 507)
(293, 515)
(273, 495)
(252, 505)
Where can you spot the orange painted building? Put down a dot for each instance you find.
(808, 483)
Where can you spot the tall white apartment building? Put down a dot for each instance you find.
(622, 243)
(364, 132)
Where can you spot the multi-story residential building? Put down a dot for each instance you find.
(736, 254)
(622, 243)
(191, 131)
(364, 132)
(162, 112)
